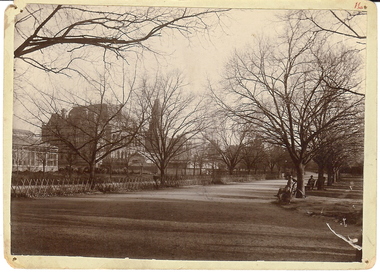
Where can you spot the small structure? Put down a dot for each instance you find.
(29, 153)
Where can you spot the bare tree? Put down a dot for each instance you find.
(54, 37)
(199, 156)
(68, 29)
(345, 23)
(92, 132)
(227, 140)
(176, 117)
(98, 122)
(70, 157)
(253, 152)
(282, 88)
(336, 147)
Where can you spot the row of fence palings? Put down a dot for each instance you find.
(66, 186)
(45, 187)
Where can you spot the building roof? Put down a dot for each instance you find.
(23, 137)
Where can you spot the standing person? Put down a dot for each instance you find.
(311, 182)
(321, 183)
(290, 179)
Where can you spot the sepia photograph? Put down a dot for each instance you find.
(197, 134)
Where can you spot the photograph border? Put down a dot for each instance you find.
(370, 148)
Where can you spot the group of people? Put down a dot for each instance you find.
(317, 184)
(285, 194)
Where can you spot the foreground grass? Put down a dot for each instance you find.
(221, 222)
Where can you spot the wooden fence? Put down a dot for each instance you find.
(61, 187)
(46, 187)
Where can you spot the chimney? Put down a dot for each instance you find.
(63, 113)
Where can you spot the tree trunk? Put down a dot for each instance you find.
(321, 179)
(300, 183)
(337, 175)
(127, 168)
(271, 167)
(92, 174)
(162, 175)
(70, 170)
(43, 167)
(330, 176)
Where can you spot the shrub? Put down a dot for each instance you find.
(271, 176)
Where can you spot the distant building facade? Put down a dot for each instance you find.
(29, 153)
(74, 133)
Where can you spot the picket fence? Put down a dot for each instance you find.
(62, 187)
(47, 187)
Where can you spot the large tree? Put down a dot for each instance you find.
(345, 23)
(176, 117)
(277, 158)
(253, 153)
(199, 156)
(67, 30)
(87, 126)
(282, 87)
(338, 147)
(96, 43)
(227, 139)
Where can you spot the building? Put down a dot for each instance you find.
(29, 153)
(99, 131)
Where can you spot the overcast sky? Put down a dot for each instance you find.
(200, 58)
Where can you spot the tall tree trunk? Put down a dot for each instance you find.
(321, 179)
(70, 170)
(271, 167)
(337, 175)
(162, 174)
(92, 174)
(43, 167)
(300, 183)
(127, 168)
(330, 175)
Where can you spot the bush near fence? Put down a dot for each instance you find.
(217, 178)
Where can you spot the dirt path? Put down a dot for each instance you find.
(221, 222)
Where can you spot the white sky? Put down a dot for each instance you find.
(200, 58)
